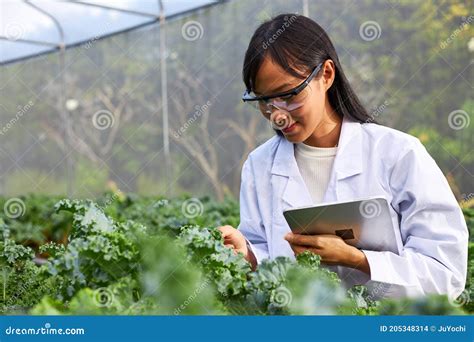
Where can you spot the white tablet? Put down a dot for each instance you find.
(365, 224)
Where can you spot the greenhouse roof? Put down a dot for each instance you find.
(30, 28)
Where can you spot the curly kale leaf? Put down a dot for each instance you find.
(121, 297)
(283, 286)
(99, 251)
(228, 270)
(87, 217)
(312, 261)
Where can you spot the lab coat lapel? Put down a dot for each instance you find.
(288, 191)
(345, 182)
(288, 179)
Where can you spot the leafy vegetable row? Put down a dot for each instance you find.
(134, 255)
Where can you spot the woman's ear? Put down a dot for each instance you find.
(329, 73)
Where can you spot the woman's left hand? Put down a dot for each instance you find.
(332, 249)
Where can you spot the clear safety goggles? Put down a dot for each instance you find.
(289, 100)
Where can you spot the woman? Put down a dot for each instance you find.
(329, 149)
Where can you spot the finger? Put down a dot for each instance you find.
(302, 240)
(330, 237)
(299, 249)
(229, 239)
(225, 230)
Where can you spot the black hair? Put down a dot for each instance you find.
(297, 43)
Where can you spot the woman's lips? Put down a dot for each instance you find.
(290, 128)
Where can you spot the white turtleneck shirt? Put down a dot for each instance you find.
(315, 165)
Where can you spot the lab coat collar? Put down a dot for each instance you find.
(347, 163)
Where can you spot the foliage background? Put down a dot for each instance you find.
(417, 71)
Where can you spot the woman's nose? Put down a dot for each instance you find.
(280, 119)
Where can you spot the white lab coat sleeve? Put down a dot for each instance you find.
(251, 224)
(433, 230)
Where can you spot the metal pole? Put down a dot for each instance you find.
(64, 112)
(31, 41)
(305, 8)
(67, 122)
(164, 94)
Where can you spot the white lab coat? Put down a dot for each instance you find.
(371, 160)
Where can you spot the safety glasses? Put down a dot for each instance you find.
(289, 100)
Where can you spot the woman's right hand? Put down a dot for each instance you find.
(233, 238)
